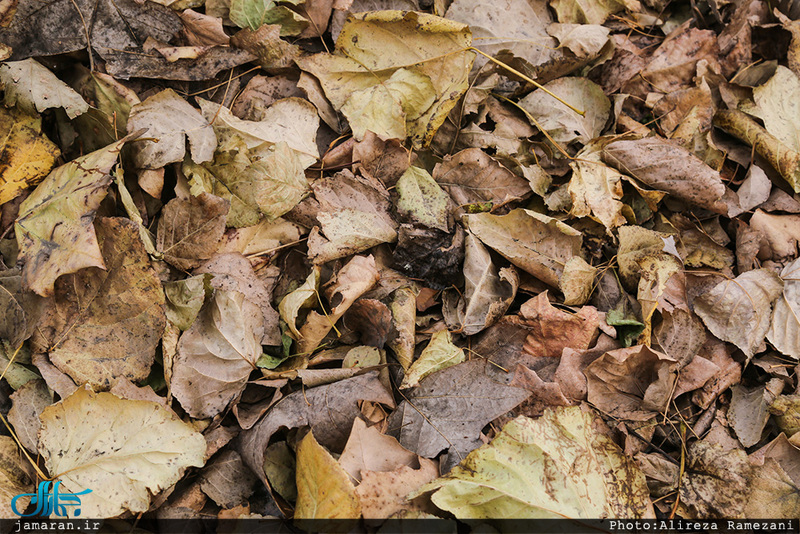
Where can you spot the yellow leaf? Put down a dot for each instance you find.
(324, 490)
(26, 155)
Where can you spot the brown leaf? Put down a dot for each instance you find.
(385, 161)
(781, 232)
(227, 480)
(372, 319)
(189, 231)
(27, 405)
(383, 494)
(667, 166)
(553, 330)
(329, 409)
(106, 324)
(716, 482)
(369, 450)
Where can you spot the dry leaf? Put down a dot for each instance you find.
(27, 405)
(33, 88)
(440, 353)
(189, 231)
(27, 154)
(553, 330)
(13, 478)
(324, 490)
(384, 494)
(784, 331)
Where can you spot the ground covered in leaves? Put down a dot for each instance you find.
(388, 258)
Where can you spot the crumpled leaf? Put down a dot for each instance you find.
(562, 123)
(54, 227)
(386, 108)
(34, 88)
(125, 462)
(533, 242)
(184, 298)
(786, 409)
(745, 300)
(635, 244)
(471, 176)
(424, 44)
(354, 216)
(255, 13)
(304, 296)
(450, 407)
(293, 121)
(404, 315)
(189, 230)
(430, 255)
(217, 354)
(781, 232)
(596, 189)
(357, 277)
(13, 478)
(588, 11)
(421, 200)
(324, 489)
(487, 293)
(784, 331)
(440, 354)
(667, 166)
(27, 154)
(530, 470)
(655, 274)
(104, 324)
(329, 409)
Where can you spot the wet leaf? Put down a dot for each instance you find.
(217, 354)
(34, 88)
(533, 242)
(54, 228)
(529, 471)
(103, 324)
(745, 300)
(324, 490)
(26, 153)
(161, 453)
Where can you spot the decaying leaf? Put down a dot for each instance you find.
(745, 300)
(54, 228)
(217, 354)
(255, 13)
(487, 292)
(136, 433)
(595, 188)
(530, 471)
(28, 403)
(104, 324)
(189, 230)
(421, 200)
(14, 480)
(533, 242)
(324, 490)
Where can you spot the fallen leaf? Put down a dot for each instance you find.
(27, 154)
(305, 296)
(217, 354)
(583, 40)
(529, 471)
(780, 233)
(226, 480)
(34, 88)
(13, 478)
(440, 353)
(54, 228)
(328, 409)
(189, 230)
(184, 298)
(160, 454)
(170, 121)
(450, 407)
(368, 450)
(471, 176)
(103, 324)
(354, 216)
(425, 44)
(536, 243)
(656, 272)
(747, 414)
(635, 244)
(404, 315)
(596, 189)
(745, 300)
(384, 494)
(784, 330)
(487, 292)
(773, 488)
(774, 104)
(553, 330)
(280, 466)
(716, 485)
(22, 308)
(293, 121)
(255, 13)
(562, 123)
(588, 11)
(421, 200)
(429, 255)
(577, 281)
(666, 166)
(28, 402)
(324, 490)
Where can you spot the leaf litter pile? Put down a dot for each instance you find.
(377, 258)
